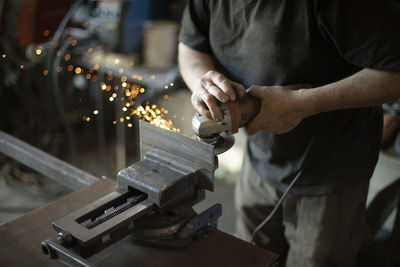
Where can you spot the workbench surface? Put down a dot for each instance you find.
(20, 241)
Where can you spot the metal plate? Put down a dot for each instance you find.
(199, 154)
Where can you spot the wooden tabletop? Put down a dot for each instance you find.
(20, 241)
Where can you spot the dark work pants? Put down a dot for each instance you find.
(326, 230)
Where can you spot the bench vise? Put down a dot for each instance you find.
(151, 205)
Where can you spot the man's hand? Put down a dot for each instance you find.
(213, 87)
(281, 108)
(207, 85)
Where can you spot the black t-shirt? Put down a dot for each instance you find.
(278, 42)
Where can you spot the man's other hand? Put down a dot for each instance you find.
(213, 87)
(282, 108)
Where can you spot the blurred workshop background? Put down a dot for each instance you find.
(76, 76)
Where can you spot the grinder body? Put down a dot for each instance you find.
(236, 114)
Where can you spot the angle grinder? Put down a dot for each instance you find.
(236, 114)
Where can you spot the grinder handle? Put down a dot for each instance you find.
(243, 111)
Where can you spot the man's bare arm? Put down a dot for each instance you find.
(193, 65)
(368, 87)
(283, 109)
(207, 85)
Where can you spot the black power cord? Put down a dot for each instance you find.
(60, 106)
(309, 148)
(278, 204)
(55, 78)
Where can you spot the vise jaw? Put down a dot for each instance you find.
(172, 167)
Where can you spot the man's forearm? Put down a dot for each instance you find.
(284, 107)
(208, 86)
(366, 88)
(193, 65)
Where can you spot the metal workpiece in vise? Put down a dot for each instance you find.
(236, 114)
(151, 205)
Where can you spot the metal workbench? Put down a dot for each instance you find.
(20, 239)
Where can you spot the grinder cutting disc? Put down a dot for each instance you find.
(223, 144)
